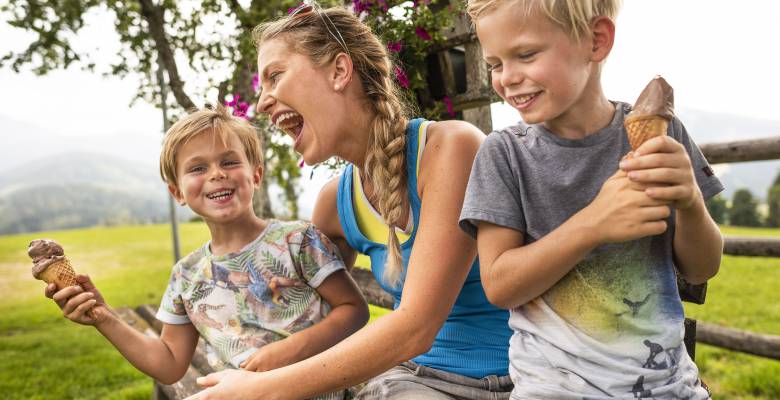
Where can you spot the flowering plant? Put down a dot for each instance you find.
(410, 29)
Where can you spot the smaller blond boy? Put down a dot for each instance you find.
(263, 294)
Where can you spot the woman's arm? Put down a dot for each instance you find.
(438, 266)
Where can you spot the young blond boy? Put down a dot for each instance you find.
(263, 294)
(583, 253)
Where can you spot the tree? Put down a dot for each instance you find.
(744, 209)
(169, 34)
(773, 201)
(717, 208)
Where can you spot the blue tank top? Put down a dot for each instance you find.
(474, 340)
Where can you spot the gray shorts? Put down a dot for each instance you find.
(413, 381)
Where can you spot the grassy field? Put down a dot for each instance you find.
(45, 356)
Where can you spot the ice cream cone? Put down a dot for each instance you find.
(641, 128)
(651, 113)
(60, 273)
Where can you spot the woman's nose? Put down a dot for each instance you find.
(264, 103)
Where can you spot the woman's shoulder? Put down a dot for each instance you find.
(448, 141)
(453, 131)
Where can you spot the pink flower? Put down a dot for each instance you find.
(240, 110)
(400, 76)
(448, 103)
(255, 83)
(361, 5)
(394, 47)
(233, 102)
(422, 33)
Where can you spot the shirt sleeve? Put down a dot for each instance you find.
(172, 309)
(493, 191)
(708, 183)
(317, 258)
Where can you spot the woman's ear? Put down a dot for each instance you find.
(341, 71)
(603, 37)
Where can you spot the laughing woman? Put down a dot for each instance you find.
(327, 81)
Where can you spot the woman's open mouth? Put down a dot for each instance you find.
(292, 124)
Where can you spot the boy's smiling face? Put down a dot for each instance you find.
(216, 180)
(536, 66)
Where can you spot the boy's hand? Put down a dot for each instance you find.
(663, 165)
(271, 356)
(82, 303)
(620, 213)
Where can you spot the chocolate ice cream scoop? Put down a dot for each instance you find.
(651, 114)
(44, 252)
(657, 98)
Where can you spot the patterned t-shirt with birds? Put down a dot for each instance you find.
(241, 301)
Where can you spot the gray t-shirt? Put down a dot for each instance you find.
(613, 326)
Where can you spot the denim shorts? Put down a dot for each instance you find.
(413, 381)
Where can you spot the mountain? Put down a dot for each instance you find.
(79, 189)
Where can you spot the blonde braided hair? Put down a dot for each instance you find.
(385, 164)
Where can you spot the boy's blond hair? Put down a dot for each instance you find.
(221, 123)
(573, 16)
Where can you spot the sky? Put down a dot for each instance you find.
(716, 54)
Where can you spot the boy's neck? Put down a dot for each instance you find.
(586, 117)
(233, 236)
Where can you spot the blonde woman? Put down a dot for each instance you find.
(327, 82)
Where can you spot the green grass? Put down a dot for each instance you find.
(44, 356)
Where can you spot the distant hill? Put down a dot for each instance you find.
(80, 189)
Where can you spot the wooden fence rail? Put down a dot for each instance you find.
(752, 246)
(742, 150)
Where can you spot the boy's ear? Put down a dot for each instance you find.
(603, 31)
(341, 71)
(176, 193)
(257, 176)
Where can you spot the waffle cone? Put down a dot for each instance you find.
(641, 128)
(60, 273)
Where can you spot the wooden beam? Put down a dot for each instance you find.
(742, 150)
(186, 386)
(752, 246)
(371, 290)
(742, 341)
(199, 360)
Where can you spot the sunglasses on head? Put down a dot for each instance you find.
(310, 6)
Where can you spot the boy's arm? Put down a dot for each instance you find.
(514, 274)
(698, 244)
(165, 358)
(325, 218)
(349, 312)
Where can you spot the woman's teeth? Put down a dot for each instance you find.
(288, 122)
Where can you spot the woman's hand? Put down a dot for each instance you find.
(230, 384)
